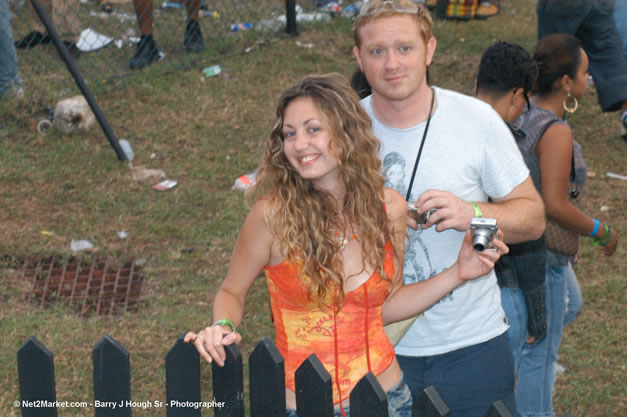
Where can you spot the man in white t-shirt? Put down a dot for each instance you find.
(469, 155)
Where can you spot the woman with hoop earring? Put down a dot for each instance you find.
(562, 80)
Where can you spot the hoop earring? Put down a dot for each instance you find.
(573, 108)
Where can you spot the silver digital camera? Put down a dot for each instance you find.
(483, 232)
(420, 218)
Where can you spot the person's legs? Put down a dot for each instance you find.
(560, 16)
(193, 36)
(143, 11)
(536, 374)
(513, 303)
(39, 34)
(65, 18)
(399, 400)
(147, 51)
(608, 66)
(620, 18)
(8, 57)
(413, 372)
(574, 300)
(469, 380)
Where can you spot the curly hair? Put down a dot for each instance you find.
(300, 215)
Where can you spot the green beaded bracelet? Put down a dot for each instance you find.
(605, 239)
(225, 323)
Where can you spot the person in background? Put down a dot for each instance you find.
(506, 76)
(460, 344)
(592, 22)
(147, 51)
(620, 17)
(562, 81)
(330, 239)
(64, 16)
(9, 79)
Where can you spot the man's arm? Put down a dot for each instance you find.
(519, 214)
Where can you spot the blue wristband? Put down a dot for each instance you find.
(596, 228)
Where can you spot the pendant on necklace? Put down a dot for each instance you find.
(343, 240)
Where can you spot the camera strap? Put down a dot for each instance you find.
(422, 143)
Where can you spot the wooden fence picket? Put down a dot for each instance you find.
(228, 384)
(35, 367)
(430, 404)
(182, 380)
(368, 399)
(266, 369)
(314, 395)
(112, 379)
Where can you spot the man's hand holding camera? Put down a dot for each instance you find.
(451, 212)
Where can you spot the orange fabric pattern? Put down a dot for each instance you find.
(302, 328)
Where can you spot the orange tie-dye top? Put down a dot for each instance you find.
(302, 328)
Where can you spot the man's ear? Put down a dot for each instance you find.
(519, 96)
(431, 45)
(357, 57)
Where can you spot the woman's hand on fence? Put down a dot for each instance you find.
(474, 264)
(210, 342)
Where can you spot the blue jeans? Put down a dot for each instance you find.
(536, 375)
(469, 379)
(399, 403)
(574, 301)
(513, 303)
(592, 22)
(620, 16)
(8, 58)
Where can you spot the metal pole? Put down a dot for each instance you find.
(71, 65)
(290, 17)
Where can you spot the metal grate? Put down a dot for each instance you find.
(98, 287)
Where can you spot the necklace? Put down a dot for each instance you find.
(342, 239)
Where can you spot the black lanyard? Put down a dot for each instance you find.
(422, 143)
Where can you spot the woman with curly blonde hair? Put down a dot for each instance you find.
(330, 240)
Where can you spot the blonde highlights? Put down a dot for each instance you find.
(421, 16)
(300, 215)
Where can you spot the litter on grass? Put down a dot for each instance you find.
(212, 71)
(245, 181)
(79, 245)
(617, 176)
(164, 185)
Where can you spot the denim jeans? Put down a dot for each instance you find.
(8, 58)
(574, 300)
(536, 375)
(399, 403)
(469, 379)
(513, 303)
(620, 16)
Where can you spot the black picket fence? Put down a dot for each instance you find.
(112, 385)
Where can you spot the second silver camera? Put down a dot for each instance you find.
(483, 232)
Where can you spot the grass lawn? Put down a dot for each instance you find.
(204, 133)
